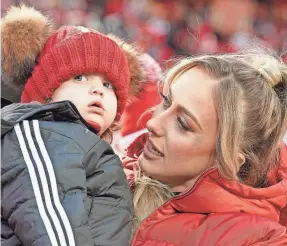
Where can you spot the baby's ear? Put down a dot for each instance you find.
(108, 134)
(133, 55)
(115, 126)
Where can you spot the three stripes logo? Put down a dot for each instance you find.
(44, 183)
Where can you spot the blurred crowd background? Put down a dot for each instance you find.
(168, 28)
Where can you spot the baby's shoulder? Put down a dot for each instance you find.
(66, 132)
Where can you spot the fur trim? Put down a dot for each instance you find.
(135, 67)
(24, 32)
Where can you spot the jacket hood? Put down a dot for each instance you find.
(214, 194)
(58, 111)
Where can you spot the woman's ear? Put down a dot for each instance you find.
(240, 160)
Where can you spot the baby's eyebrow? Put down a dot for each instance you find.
(103, 78)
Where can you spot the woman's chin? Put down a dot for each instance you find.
(141, 161)
(146, 166)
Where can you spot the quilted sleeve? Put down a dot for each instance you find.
(110, 218)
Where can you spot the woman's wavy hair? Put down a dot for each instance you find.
(251, 103)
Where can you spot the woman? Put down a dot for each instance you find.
(211, 172)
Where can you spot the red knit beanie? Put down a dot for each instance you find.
(36, 59)
(72, 51)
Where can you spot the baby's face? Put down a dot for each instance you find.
(94, 98)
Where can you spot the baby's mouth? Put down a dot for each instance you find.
(96, 108)
(97, 104)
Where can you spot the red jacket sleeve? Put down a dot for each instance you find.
(234, 229)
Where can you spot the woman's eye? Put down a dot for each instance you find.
(166, 102)
(182, 124)
(108, 85)
(81, 78)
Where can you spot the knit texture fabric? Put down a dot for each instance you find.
(72, 51)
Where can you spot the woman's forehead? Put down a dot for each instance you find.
(194, 91)
(192, 88)
(194, 79)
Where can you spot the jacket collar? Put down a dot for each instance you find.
(57, 111)
(214, 194)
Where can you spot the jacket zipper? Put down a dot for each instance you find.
(192, 187)
(176, 197)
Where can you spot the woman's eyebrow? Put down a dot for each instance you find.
(187, 112)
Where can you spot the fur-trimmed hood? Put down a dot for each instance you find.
(24, 32)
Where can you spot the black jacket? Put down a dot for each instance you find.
(61, 184)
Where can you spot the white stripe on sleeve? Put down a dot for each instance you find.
(44, 183)
(52, 179)
(35, 186)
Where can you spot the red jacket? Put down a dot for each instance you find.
(216, 211)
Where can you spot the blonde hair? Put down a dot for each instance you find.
(148, 195)
(251, 105)
(109, 133)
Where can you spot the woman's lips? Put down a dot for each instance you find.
(151, 152)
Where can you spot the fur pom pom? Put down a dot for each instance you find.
(24, 32)
(137, 71)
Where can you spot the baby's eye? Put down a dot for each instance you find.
(108, 85)
(81, 77)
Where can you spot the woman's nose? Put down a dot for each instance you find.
(155, 124)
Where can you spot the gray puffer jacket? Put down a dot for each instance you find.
(61, 184)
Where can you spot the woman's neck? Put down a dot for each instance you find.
(184, 187)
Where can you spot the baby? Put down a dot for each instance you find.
(61, 183)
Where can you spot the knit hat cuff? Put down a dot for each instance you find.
(83, 54)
